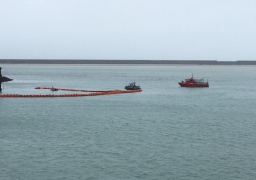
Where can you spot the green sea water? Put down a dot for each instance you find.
(163, 132)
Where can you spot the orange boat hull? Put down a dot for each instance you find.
(188, 84)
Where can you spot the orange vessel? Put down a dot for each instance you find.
(191, 82)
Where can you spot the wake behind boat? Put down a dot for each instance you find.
(191, 82)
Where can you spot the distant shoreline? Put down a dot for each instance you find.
(124, 62)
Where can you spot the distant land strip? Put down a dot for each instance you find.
(126, 62)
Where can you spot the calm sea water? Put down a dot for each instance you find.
(164, 132)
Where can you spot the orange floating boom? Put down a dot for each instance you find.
(92, 93)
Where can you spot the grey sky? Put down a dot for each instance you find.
(128, 29)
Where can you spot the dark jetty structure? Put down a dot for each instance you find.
(3, 79)
(125, 62)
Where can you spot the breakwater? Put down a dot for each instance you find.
(126, 62)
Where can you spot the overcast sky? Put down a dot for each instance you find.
(128, 29)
